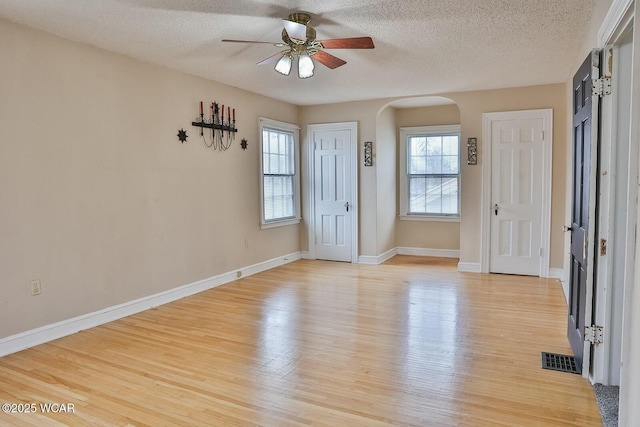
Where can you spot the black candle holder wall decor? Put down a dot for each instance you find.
(223, 130)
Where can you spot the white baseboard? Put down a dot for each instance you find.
(366, 259)
(24, 340)
(564, 281)
(305, 255)
(439, 253)
(473, 267)
(556, 273)
(268, 265)
(469, 267)
(377, 260)
(565, 290)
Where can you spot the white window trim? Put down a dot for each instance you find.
(405, 132)
(285, 127)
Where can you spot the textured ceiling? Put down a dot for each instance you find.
(422, 46)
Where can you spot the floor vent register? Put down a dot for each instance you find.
(559, 362)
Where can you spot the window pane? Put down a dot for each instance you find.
(434, 146)
(278, 197)
(418, 146)
(417, 155)
(277, 152)
(434, 151)
(418, 165)
(450, 164)
(450, 196)
(450, 145)
(434, 164)
(435, 195)
(417, 191)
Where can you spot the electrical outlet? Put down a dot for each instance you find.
(36, 289)
(246, 242)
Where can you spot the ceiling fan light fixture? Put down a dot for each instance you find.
(305, 66)
(284, 64)
(299, 41)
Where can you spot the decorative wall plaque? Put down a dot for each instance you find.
(472, 151)
(368, 153)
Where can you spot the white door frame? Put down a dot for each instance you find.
(605, 314)
(613, 25)
(485, 213)
(353, 128)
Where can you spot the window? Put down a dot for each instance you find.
(430, 172)
(279, 164)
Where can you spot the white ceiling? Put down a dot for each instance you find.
(422, 47)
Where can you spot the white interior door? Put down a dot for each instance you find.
(516, 195)
(333, 194)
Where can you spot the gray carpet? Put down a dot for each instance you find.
(607, 397)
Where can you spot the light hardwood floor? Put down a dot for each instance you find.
(410, 342)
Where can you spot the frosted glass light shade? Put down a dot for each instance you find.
(284, 65)
(305, 66)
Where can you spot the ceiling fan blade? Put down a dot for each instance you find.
(328, 60)
(295, 30)
(253, 41)
(348, 43)
(272, 59)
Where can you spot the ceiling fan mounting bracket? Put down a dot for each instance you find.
(311, 36)
(300, 17)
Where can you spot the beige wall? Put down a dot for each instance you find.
(385, 164)
(98, 198)
(364, 113)
(472, 105)
(428, 234)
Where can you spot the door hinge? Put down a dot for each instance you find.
(601, 87)
(593, 334)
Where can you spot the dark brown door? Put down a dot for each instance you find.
(580, 250)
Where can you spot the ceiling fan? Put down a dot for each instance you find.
(299, 39)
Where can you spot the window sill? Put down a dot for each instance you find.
(280, 223)
(429, 218)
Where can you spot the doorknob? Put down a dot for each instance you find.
(567, 228)
(495, 208)
(346, 205)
